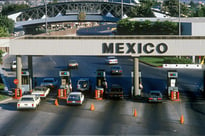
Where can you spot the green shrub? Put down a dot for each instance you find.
(1, 86)
(176, 60)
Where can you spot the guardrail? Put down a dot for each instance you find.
(188, 66)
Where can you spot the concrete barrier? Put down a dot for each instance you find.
(188, 66)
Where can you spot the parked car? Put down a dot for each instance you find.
(13, 65)
(155, 96)
(116, 91)
(75, 98)
(41, 91)
(111, 60)
(73, 64)
(28, 102)
(116, 70)
(83, 84)
(50, 82)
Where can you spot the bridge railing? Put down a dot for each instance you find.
(110, 1)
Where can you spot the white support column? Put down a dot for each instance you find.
(136, 77)
(19, 70)
(30, 70)
(193, 59)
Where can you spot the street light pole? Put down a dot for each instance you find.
(46, 16)
(179, 19)
(121, 9)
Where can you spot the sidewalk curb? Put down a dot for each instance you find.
(5, 100)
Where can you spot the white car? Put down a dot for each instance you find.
(111, 60)
(73, 64)
(50, 82)
(75, 98)
(28, 102)
(13, 65)
(40, 91)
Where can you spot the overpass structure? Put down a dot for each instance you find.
(134, 46)
(70, 11)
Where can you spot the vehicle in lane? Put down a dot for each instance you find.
(73, 64)
(116, 70)
(13, 65)
(111, 60)
(83, 84)
(28, 102)
(50, 82)
(116, 91)
(75, 98)
(155, 96)
(41, 91)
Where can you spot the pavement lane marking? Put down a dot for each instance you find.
(52, 60)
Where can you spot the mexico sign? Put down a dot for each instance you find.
(104, 46)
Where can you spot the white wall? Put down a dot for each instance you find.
(198, 28)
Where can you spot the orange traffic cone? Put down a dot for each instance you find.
(56, 102)
(135, 113)
(92, 108)
(182, 119)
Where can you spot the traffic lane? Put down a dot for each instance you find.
(43, 66)
(17, 123)
(164, 119)
(62, 119)
(153, 78)
(193, 112)
(151, 84)
(195, 115)
(26, 122)
(7, 61)
(89, 65)
(110, 117)
(190, 80)
(156, 119)
(97, 30)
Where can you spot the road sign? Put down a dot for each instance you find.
(16, 81)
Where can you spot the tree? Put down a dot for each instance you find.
(172, 6)
(11, 8)
(144, 10)
(3, 32)
(185, 11)
(200, 12)
(126, 27)
(7, 25)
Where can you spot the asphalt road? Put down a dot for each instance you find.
(111, 117)
(104, 29)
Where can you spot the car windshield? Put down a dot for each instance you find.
(39, 89)
(72, 61)
(26, 99)
(83, 84)
(154, 94)
(48, 81)
(74, 98)
(111, 58)
(116, 89)
(116, 67)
